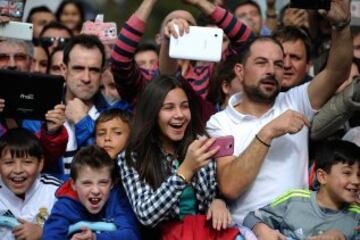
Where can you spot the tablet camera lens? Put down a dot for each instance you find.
(216, 35)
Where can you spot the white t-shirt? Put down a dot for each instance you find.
(40, 195)
(286, 164)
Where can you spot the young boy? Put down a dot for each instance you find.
(91, 195)
(112, 131)
(329, 212)
(24, 193)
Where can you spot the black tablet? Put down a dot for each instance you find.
(29, 95)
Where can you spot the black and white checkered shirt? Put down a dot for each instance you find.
(153, 206)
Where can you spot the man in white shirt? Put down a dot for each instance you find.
(270, 137)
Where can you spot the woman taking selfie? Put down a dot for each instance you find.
(168, 172)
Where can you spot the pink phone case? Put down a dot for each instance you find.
(226, 144)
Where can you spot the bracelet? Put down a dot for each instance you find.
(264, 143)
(341, 25)
(182, 177)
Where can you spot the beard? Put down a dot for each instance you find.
(256, 94)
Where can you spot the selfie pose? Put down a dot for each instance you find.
(168, 171)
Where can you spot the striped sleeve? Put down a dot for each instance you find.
(128, 77)
(237, 31)
(48, 179)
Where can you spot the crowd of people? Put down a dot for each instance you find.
(129, 152)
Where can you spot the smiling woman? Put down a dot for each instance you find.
(168, 170)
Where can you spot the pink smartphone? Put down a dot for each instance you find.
(226, 144)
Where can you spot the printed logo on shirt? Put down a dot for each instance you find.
(299, 232)
(6, 213)
(41, 217)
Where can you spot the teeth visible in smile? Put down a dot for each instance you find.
(94, 200)
(18, 179)
(176, 125)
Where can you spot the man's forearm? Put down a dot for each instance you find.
(341, 51)
(235, 177)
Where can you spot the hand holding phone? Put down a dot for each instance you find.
(105, 31)
(201, 43)
(226, 144)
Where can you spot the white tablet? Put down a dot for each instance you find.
(17, 30)
(201, 43)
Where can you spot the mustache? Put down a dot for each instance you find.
(270, 78)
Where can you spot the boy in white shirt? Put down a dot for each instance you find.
(25, 195)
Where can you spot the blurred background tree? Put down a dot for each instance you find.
(120, 10)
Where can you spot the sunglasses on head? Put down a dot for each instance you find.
(49, 41)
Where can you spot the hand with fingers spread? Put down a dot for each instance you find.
(27, 230)
(76, 110)
(85, 234)
(263, 232)
(2, 104)
(288, 122)
(219, 214)
(176, 27)
(55, 118)
(197, 156)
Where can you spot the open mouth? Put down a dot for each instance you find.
(18, 180)
(269, 83)
(177, 125)
(94, 201)
(355, 191)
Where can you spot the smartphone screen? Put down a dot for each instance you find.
(12, 8)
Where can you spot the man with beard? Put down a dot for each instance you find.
(271, 128)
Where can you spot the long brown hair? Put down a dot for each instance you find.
(145, 144)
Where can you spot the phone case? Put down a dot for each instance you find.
(201, 43)
(17, 30)
(226, 144)
(14, 8)
(105, 31)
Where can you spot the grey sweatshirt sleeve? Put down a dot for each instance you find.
(336, 111)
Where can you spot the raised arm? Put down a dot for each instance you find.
(237, 32)
(128, 77)
(324, 85)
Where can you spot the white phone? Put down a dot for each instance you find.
(201, 43)
(17, 30)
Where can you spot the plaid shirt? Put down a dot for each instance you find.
(153, 206)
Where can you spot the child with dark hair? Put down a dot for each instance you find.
(25, 195)
(328, 212)
(112, 131)
(91, 195)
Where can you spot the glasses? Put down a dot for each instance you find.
(18, 57)
(47, 42)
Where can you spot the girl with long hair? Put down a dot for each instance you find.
(168, 171)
